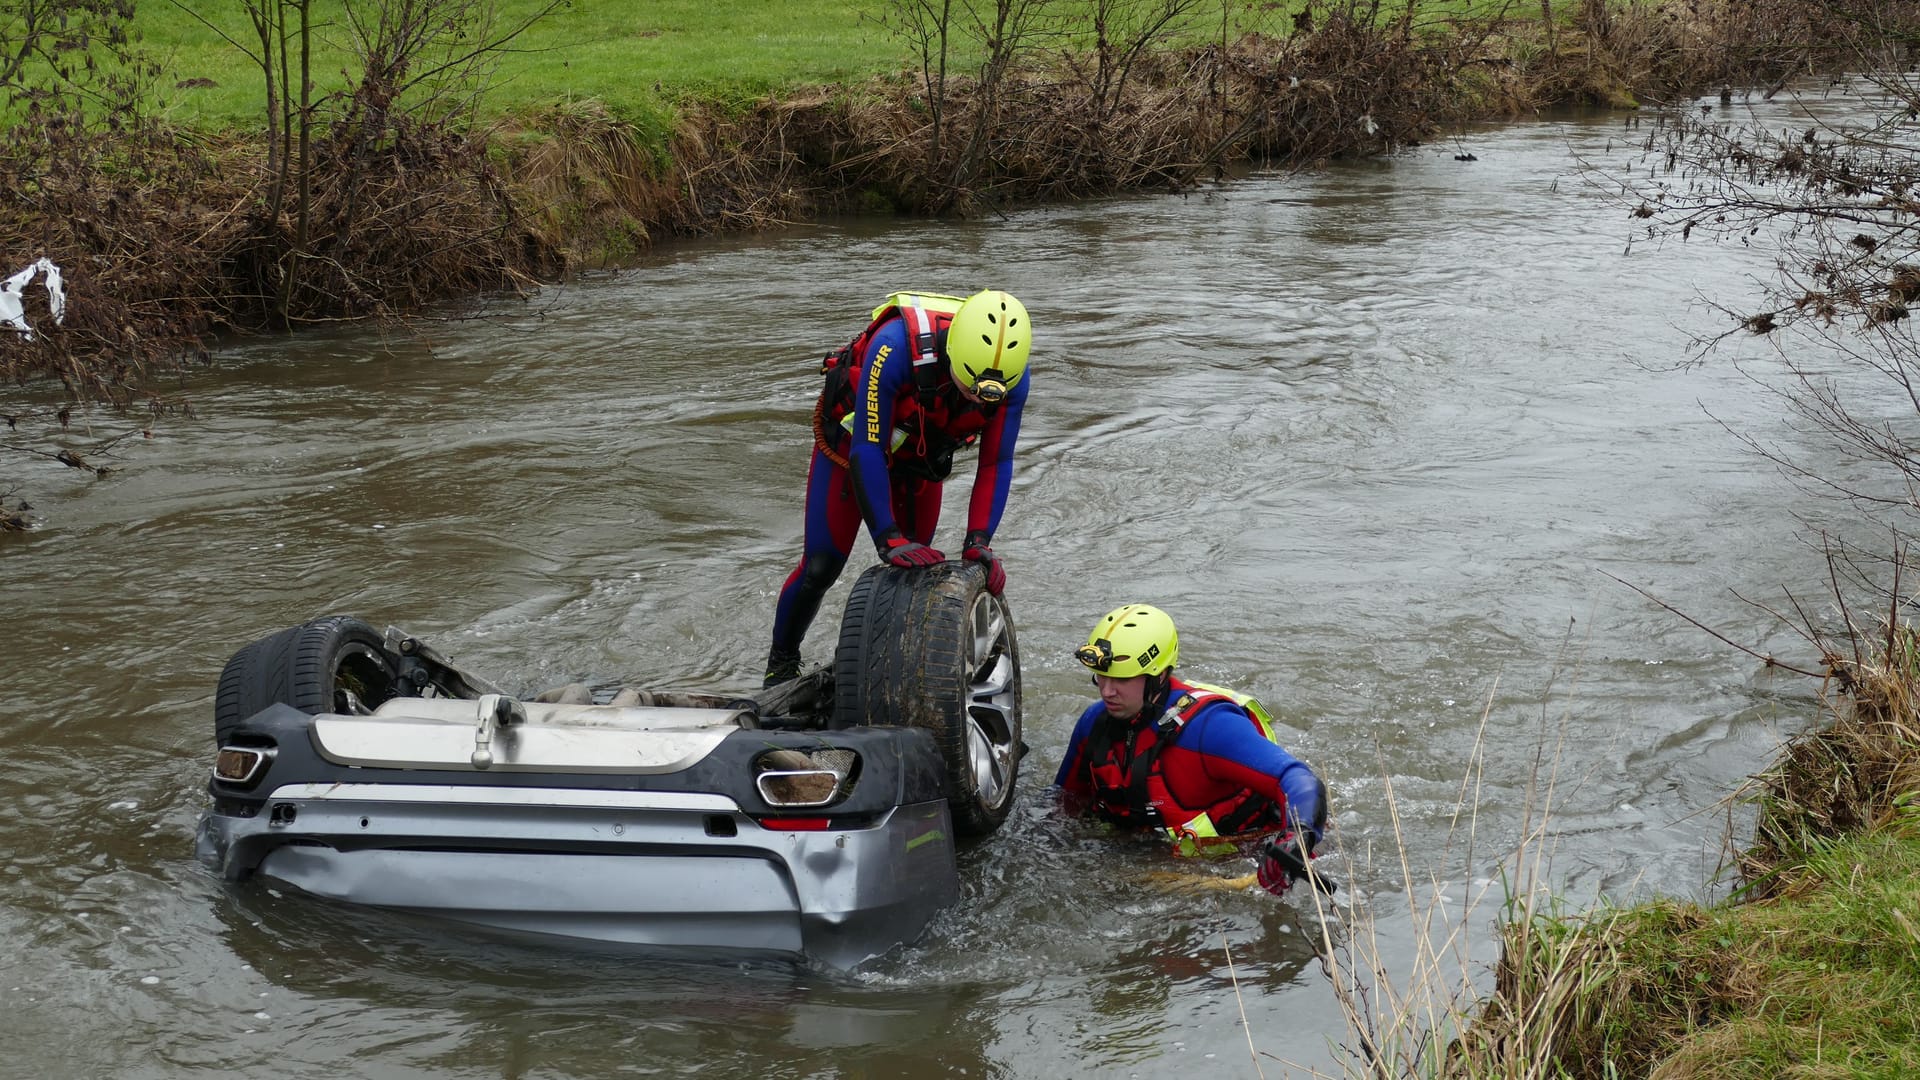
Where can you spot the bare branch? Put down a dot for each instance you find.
(1766, 658)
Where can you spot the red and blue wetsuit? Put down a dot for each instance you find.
(1194, 763)
(898, 487)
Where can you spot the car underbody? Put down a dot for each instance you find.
(820, 818)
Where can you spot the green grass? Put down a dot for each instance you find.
(1835, 969)
(1816, 983)
(633, 55)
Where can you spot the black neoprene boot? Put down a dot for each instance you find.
(782, 666)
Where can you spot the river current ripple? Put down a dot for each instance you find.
(1380, 436)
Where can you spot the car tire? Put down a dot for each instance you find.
(312, 667)
(932, 648)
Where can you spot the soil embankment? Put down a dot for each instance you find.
(168, 239)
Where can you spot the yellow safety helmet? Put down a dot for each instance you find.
(1137, 639)
(987, 344)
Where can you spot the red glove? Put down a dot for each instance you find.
(1281, 865)
(901, 551)
(1274, 875)
(978, 551)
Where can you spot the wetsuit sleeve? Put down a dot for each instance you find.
(885, 373)
(1233, 750)
(995, 476)
(1072, 779)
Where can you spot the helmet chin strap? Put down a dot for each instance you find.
(1155, 699)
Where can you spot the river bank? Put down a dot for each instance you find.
(1808, 967)
(170, 239)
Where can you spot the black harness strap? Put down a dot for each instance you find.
(1099, 748)
(1139, 809)
(1244, 816)
(1140, 766)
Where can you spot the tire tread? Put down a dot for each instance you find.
(902, 660)
(294, 666)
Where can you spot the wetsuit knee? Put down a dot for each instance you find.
(800, 601)
(819, 573)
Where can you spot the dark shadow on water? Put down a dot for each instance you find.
(540, 1004)
(319, 944)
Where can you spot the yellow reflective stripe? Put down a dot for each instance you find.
(1198, 837)
(899, 436)
(1247, 702)
(1200, 827)
(939, 302)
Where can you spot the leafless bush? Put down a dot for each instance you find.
(373, 202)
(89, 181)
(1840, 197)
(999, 32)
(338, 229)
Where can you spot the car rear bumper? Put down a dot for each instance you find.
(666, 869)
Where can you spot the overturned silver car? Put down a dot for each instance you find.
(817, 818)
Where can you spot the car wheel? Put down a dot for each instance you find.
(333, 665)
(931, 648)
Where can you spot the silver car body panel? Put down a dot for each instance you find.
(531, 747)
(668, 869)
(441, 733)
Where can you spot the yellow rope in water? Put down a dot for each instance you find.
(1174, 879)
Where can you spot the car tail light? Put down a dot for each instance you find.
(241, 765)
(802, 778)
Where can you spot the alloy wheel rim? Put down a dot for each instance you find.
(992, 698)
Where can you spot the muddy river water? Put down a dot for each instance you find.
(1379, 436)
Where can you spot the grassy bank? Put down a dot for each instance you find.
(636, 60)
(445, 151)
(1810, 970)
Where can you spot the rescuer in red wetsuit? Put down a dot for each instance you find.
(1197, 762)
(930, 375)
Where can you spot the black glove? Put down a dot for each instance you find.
(900, 551)
(978, 551)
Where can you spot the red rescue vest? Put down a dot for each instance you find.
(931, 422)
(1124, 761)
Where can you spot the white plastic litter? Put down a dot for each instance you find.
(14, 313)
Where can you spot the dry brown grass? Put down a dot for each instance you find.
(1848, 775)
(1341, 86)
(1672, 989)
(163, 249)
(167, 241)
